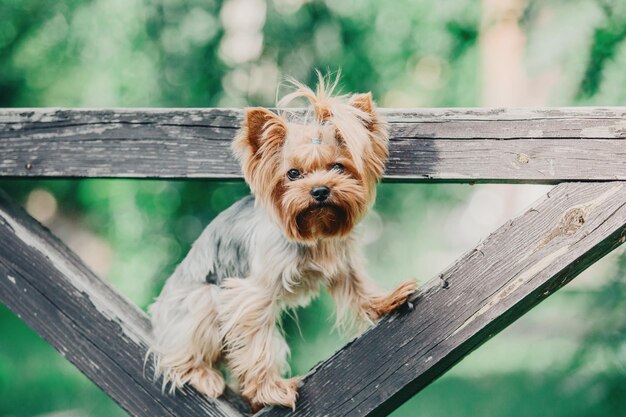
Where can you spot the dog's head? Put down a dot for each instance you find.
(316, 173)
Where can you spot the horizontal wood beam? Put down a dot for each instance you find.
(451, 145)
(96, 329)
(490, 287)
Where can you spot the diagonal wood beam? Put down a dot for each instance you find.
(96, 329)
(490, 287)
(453, 145)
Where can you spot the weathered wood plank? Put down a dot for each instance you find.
(491, 286)
(453, 145)
(100, 332)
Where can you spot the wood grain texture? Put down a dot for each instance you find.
(491, 286)
(452, 145)
(96, 329)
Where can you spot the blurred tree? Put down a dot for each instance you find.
(606, 39)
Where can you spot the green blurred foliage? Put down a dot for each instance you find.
(177, 53)
(606, 40)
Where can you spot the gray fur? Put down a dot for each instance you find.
(225, 247)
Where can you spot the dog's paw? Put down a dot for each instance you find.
(208, 381)
(280, 392)
(380, 306)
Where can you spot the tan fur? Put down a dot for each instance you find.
(189, 349)
(351, 133)
(240, 319)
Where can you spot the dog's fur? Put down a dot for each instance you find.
(275, 250)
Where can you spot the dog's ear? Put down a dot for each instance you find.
(377, 155)
(258, 143)
(262, 128)
(363, 102)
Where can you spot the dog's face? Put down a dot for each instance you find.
(317, 178)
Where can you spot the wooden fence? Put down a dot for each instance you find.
(582, 150)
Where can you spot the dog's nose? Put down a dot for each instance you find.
(320, 193)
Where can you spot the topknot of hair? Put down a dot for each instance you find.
(328, 107)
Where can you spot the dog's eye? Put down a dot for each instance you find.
(337, 166)
(293, 174)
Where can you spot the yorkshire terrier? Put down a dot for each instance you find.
(313, 178)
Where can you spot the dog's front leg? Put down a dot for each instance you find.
(255, 348)
(359, 299)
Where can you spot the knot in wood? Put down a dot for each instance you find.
(522, 158)
(572, 220)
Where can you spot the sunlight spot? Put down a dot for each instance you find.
(41, 205)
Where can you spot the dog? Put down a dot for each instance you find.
(313, 177)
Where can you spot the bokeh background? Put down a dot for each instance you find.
(565, 358)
